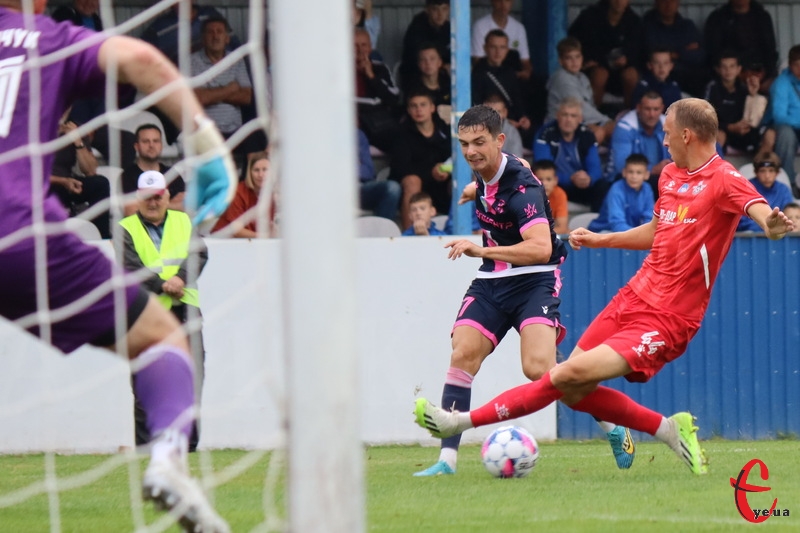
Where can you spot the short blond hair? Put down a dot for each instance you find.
(696, 115)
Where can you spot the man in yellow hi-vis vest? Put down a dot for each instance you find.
(160, 240)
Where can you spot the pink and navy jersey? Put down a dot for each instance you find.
(697, 212)
(510, 203)
(41, 93)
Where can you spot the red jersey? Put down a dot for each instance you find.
(697, 212)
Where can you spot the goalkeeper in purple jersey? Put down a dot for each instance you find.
(44, 66)
(518, 282)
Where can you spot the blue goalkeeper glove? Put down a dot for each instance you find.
(214, 182)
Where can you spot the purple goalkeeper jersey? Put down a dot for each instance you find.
(61, 82)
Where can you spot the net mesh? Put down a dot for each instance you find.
(33, 412)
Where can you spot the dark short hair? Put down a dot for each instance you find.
(492, 98)
(652, 95)
(482, 116)
(543, 164)
(794, 53)
(659, 50)
(636, 159)
(420, 196)
(215, 18)
(147, 126)
(729, 53)
(420, 91)
(568, 44)
(791, 205)
(495, 33)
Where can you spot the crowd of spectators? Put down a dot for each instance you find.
(618, 74)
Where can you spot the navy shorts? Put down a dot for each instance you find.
(495, 305)
(75, 271)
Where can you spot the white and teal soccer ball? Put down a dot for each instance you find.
(510, 451)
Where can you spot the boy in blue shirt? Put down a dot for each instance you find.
(766, 167)
(422, 212)
(628, 204)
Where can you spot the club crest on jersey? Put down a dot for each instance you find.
(530, 210)
(684, 188)
(697, 189)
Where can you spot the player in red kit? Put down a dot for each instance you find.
(652, 319)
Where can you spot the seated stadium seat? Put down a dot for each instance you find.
(372, 226)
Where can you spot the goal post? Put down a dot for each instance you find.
(315, 110)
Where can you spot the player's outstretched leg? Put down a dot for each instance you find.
(681, 436)
(622, 445)
(165, 388)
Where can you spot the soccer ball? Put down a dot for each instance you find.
(510, 451)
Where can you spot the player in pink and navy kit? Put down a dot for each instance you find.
(518, 282)
(36, 89)
(652, 319)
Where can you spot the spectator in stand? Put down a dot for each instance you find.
(658, 78)
(431, 26)
(569, 81)
(640, 131)
(513, 142)
(242, 215)
(500, 19)
(792, 212)
(381, 197)
(611, 35)
(80, 13)
(79, 191)
(163, 31)
(766, 167)
(422, 213)
(664, 27)
(148, 146)
(745, 27)
(363, 17)
(785, 105)
(224, 95)
(545, 170)
(573, 148)
(421, 147)
(376, 95)
(430, 75)
(729, 94)
(490, 76)
(629, 202)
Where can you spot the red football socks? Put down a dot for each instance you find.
(614, 406)
(516, 402)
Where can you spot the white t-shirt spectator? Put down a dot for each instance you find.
(517, 38)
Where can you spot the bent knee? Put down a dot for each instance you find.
(534, 370)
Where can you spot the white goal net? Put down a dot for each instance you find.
(280, 360)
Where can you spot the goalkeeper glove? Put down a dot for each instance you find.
(214, 182)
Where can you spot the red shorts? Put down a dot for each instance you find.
(646, 337)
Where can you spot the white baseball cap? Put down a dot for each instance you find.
(152, 181)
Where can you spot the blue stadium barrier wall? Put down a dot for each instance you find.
(741, 373)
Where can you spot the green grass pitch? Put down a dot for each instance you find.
(574, 487)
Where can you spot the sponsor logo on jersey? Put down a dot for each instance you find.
(649, 344)
(669, 186)
(684, 188)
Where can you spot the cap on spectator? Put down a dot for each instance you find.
(152, 183)
(769, 159)
(436, 2)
